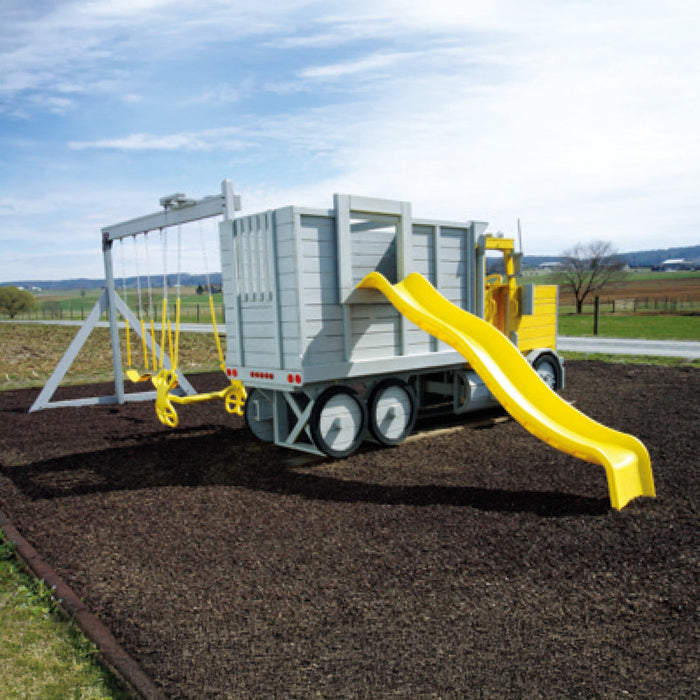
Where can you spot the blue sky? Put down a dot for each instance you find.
(578, 117)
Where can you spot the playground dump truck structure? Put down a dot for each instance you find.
(343, 323)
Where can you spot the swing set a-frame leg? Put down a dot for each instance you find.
(44, 398)
(101, 305)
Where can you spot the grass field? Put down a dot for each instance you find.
(41, 654)
(31, 351)
(76, 304)
(648, 326)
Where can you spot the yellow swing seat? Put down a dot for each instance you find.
(135, 376)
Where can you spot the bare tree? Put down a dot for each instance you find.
(589, 267)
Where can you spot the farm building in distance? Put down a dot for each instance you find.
(676, 264)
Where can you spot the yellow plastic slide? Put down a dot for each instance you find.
(519, 389)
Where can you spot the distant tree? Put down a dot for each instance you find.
(14, 300)
(588, 267)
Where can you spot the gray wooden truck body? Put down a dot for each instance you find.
(321, 359)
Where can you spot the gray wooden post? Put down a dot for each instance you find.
(113, 320)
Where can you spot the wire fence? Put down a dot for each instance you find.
(638, 305)
(63, 311)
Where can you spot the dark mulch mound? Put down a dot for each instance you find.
(472, 561)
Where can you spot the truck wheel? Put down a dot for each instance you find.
(258, 415)
(549, 370)
(392, 411)
(338, 421)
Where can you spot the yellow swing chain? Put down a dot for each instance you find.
(165, 381)
(144, 345)
(131, 373)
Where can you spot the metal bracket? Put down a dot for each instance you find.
(301, 425)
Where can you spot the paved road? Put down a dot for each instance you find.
(629, 346)
(611, 346)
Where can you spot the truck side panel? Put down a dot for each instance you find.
(424, 245)
(322, 314)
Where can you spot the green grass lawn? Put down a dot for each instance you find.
(647, 326)
(77, 304)
(41, 654)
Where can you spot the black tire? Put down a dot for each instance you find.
(335, 405)
(548, 367)
(402, 397)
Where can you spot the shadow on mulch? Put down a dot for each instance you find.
(157, 462)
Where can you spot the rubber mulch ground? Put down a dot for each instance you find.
(474, 562)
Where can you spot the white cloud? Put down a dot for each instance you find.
(225, 93)
(207, 140)
(366, 65)
(579, 117)
(87, 43)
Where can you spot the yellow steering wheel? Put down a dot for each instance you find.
(164, 382)
(235, 397)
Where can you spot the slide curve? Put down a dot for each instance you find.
(519, 389)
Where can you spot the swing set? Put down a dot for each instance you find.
(159, 367)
